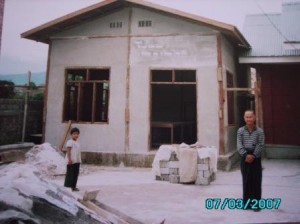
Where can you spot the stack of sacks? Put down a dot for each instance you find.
(207, 165)
(187, 163)
(163, 154)
(174, 169)
(197, 163)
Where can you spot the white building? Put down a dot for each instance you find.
(132, 75)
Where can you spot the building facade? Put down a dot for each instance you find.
(275, 54)
(132, 75)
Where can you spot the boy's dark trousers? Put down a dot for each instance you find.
(72, 175)
(252, 179)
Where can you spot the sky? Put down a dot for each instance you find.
(19, 55)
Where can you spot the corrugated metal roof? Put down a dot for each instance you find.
(43, 32)
(273, 35)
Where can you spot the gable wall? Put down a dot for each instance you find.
(183, 45)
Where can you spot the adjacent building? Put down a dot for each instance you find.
(275, 55)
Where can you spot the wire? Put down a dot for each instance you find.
(274, 25)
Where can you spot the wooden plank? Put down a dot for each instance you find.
(127, 93)
(221, 97)
(260, 112)
(134, 35)
(46, 91)
(26, 107)
(256, 104)
(173, 83)
(94, 102)
(61, 145)
(239, 89)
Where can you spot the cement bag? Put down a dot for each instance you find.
(210, 152)
(187, 163)
(163, 153)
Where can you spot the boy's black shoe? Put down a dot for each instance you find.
(75, 189)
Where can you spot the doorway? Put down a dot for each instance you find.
(281, 93)
(173, 107)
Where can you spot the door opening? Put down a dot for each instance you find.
(173, 107)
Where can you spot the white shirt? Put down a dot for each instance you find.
(75, 151)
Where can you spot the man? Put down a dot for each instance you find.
(250, 143)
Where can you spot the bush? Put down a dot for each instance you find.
(38, 96)
(7, 89)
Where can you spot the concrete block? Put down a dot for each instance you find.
(202, 181)
(90, 195)
(165, 177)
(203, 161)
(174, 164)
(206, 173)
(164, 164)
(202, 167)
(174, 179)
(173, 171)
(213, 176)
(164, 171)
(200, 173)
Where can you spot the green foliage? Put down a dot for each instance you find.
(7, 89)
(38, 96)
(19, 95)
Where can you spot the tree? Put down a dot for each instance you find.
(7, 89)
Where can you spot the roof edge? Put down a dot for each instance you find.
(65, 17)
(226, 28)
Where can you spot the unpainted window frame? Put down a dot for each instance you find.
(94, 82)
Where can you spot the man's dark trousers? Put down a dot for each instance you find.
(252, 179)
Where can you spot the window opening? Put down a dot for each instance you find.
(86, 95)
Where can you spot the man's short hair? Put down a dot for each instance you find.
(252, 111)
(75, 130)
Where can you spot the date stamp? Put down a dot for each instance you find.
(238, 203)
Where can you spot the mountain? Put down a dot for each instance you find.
(22, 79)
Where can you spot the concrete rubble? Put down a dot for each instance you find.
(27, 195)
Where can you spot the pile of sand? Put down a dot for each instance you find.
(49, 161)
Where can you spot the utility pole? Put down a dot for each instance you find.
(26, 106)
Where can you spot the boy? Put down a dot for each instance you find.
(73, 158)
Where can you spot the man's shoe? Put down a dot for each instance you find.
(75, 189)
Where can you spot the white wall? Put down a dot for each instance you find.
(193, 47)
(101, 52)
(185, 51)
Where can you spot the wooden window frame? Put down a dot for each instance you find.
(173, 77)
(79, 95)
(172, 82)
(230, 99)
